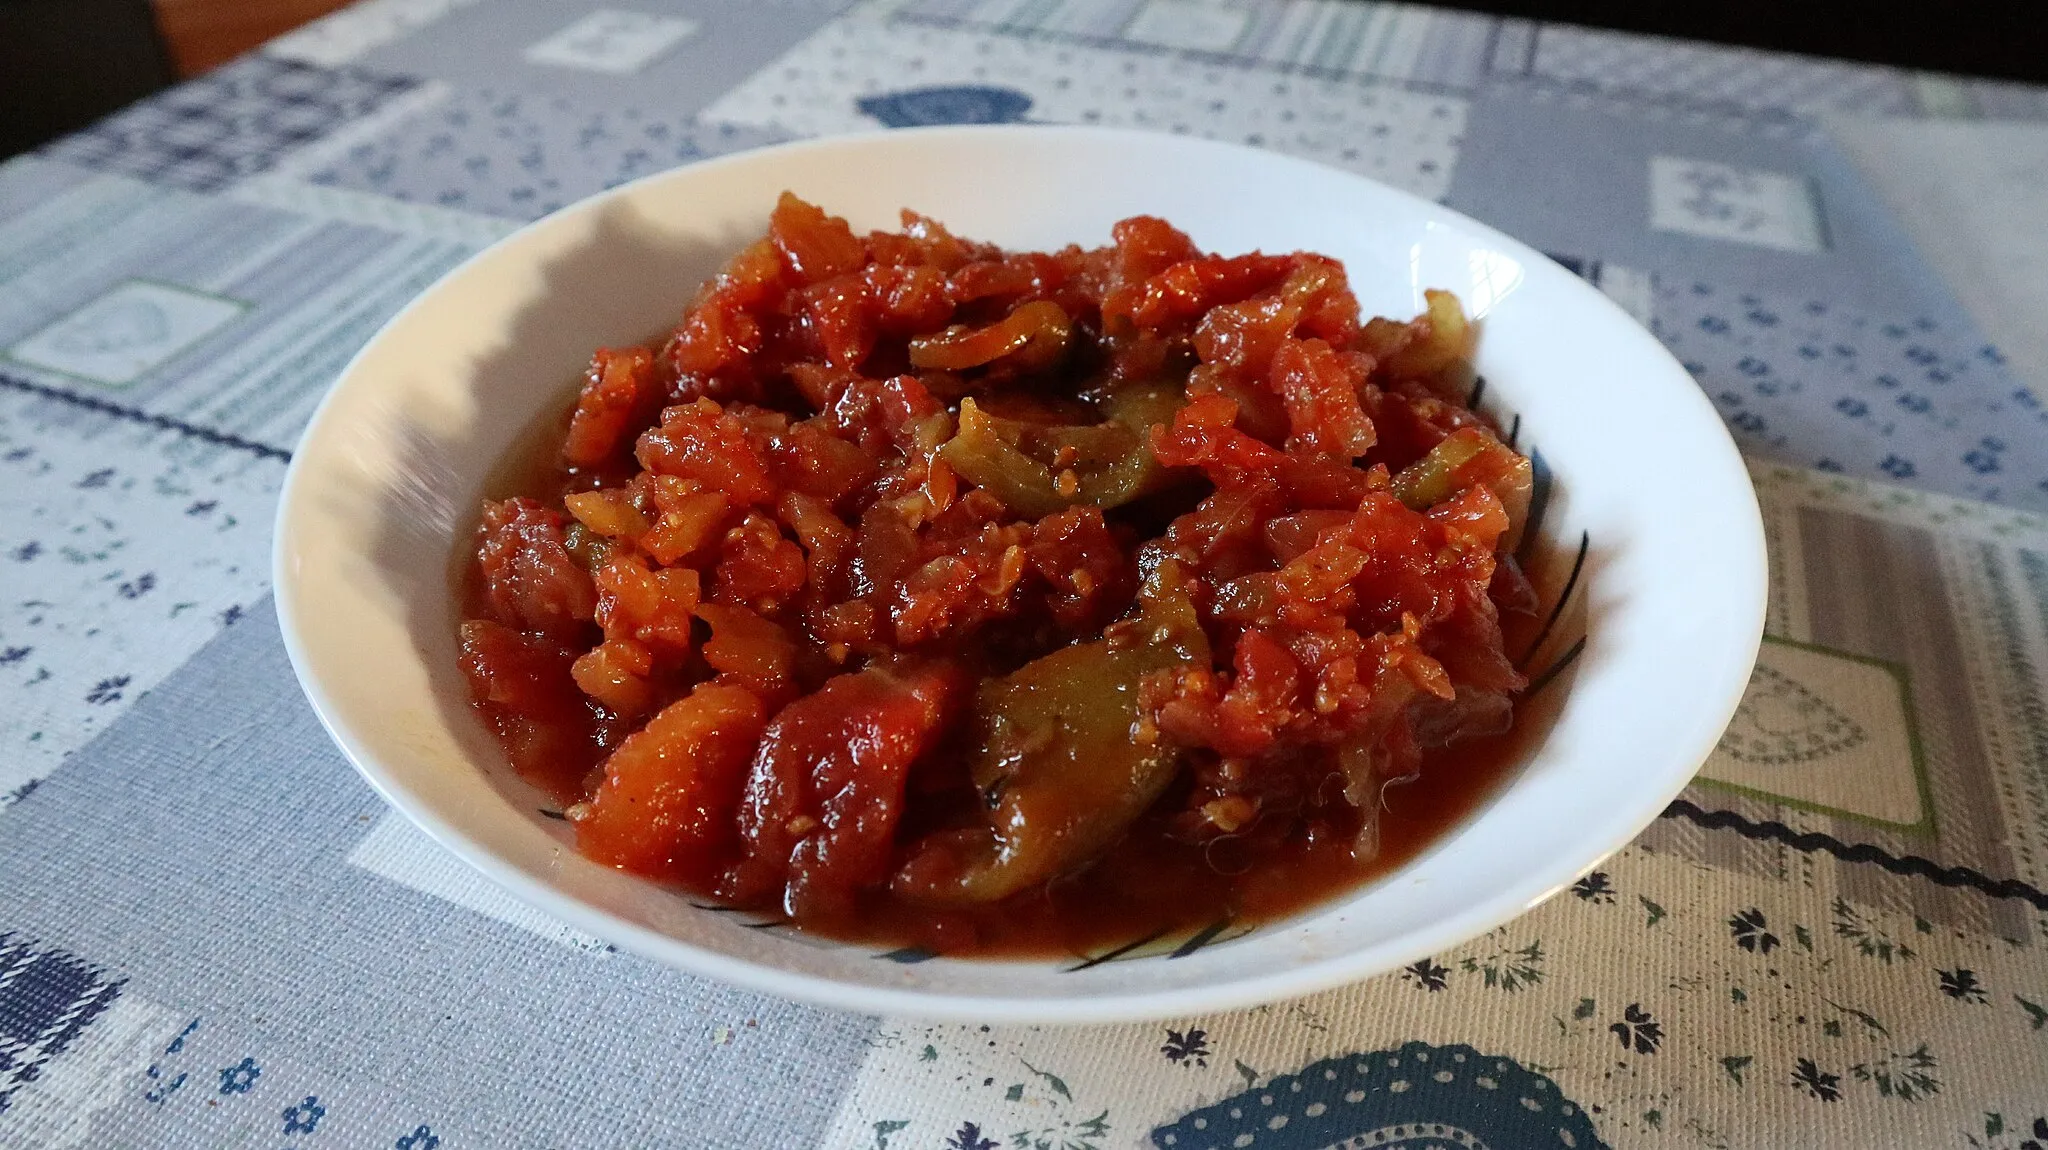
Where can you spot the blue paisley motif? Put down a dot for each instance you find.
(1417, 1097)
(952, 104)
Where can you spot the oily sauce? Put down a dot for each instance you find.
(1153, 887)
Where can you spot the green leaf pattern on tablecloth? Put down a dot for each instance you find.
(1905, 1075)
(1507, 968)
(1870, 939)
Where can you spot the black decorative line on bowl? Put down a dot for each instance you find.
(1564, 600)
(1218, 931)
(1549, 674)
(1119, 952)
(769, 923)
(1541, 484)
(1201, 938)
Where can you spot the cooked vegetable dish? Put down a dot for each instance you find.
(990, 602)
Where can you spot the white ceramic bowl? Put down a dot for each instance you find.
(1669, 602)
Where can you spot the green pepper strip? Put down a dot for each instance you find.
(1434, 478)
(1057, 758)
(1014, 460)
(1465, 457)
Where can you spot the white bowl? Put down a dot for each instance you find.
(1670, 600)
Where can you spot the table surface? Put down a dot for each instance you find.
(212, 934)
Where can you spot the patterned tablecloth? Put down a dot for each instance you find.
(212, 935)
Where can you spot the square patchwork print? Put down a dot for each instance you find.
(1827, 731)
(118, 337)
(1743, 205)
(230, 123)
(620, 43)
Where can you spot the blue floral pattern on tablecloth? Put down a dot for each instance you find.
(1889, 398)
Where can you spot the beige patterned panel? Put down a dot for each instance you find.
(1898, 703)
(1829, 732)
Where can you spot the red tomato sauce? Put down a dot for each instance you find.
(1006, 603)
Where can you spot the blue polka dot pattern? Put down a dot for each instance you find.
(1415, 1097)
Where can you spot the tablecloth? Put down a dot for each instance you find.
(213, 935)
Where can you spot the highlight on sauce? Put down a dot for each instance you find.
(1011, 603)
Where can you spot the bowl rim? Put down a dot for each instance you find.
(1511, 898)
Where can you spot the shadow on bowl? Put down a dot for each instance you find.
(433, 506)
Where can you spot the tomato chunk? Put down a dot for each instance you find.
(827, 787)
(665, 808)
(530, 579)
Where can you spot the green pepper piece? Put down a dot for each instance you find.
(1446, 339)
(1032, 337)
(1019, 462)
(984, 455)
(587, 547)
(1434, 478)
(1465, 458)
(1058, 757)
